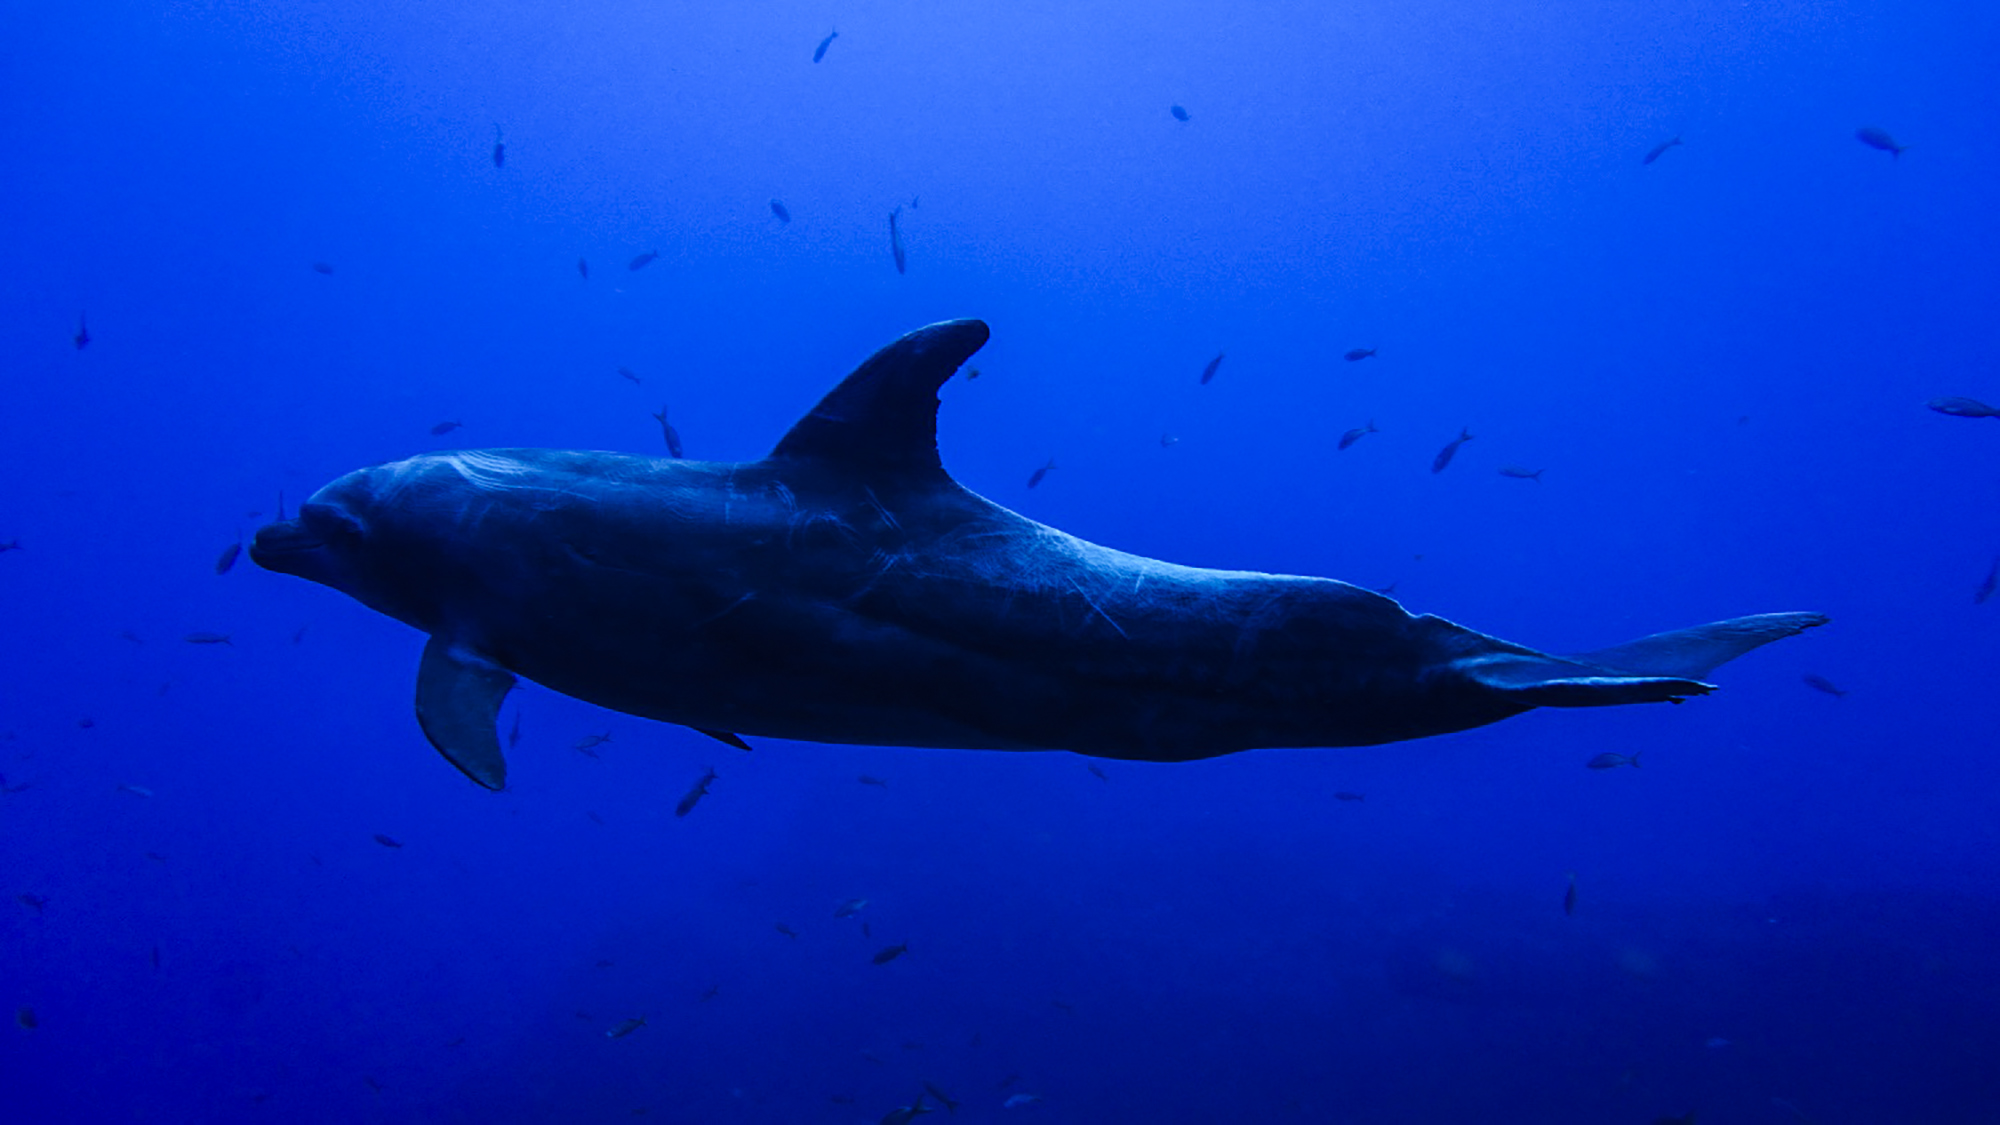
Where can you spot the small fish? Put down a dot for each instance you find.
(1963, 407)
(1658, 150)
(643, 260)
(713, 990)
(135, 790)
(819, 52)
(1016, 1101)
(1822, 684)
(1992, 583)
(1008, 1081)
(787, 931)
(1611, 761)
(156, 958)
(33, 902)
(626, 1027)
(1879, 139)
(25, 1016)
(1448, 452)
(443, 428)
(1345, 795)
(514, 732)
(1062, 1005)
(387, 841)
(1356, 355)
(1180, 112)
(631, 376)
(1715, 1043)
(949, 1105)
(896, 242)
(203, 637)
(583, 268)
(871, 779)
(1569, 896)
(849, 908)
(592, 741)
(300, 633)
(1036, 477)
(1168, 441)
(891, 953)
(1519, 473)
(1208, 372)
(667, 431)
(903, 1115)
(499, 149)
(156, 857)
(82, 337)
(603, 963)
(1357, 433)
(779, 209)
(695, 794)
(866, 931)
(593, 817)
(1098, 773)
(1688, 1118)
(129, 635)
(10, 545)
(972, 373)
(323, 269)
(228, 557)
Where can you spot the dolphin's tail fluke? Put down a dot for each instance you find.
(1662, 668)
(1702, 649)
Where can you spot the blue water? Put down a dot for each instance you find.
(1719, 361)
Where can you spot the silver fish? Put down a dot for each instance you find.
(1448, 452)
(1357, 433)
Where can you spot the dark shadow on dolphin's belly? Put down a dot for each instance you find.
(946, 621)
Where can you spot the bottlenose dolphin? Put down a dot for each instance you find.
(846, 589)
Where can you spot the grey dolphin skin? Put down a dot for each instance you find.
(845, 589)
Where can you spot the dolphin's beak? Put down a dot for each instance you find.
(284, 546)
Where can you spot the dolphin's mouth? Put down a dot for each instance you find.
(281, 541)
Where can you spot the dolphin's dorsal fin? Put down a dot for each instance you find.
(458, 705)
(882, 419)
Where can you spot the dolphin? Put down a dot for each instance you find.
(845, 589)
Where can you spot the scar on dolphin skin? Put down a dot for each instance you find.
(846, 589)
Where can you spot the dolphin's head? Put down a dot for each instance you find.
(382, 535)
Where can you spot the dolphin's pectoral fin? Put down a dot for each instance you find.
(882, 419)
(722, 736)
(1700, 650)
(458, 705)
(1533, 680)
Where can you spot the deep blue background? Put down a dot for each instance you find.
(1718, 360)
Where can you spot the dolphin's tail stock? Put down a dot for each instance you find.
(1665, 667)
